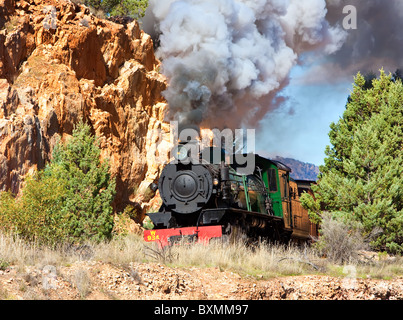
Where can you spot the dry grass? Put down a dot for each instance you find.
(121, 250)
(261, 261)
(17, 252)
(82, 282)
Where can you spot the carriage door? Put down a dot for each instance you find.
(285, 198)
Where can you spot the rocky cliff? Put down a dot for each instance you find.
(59, 64)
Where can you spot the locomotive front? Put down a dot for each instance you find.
(185, 189)
(190, 183)
(187, 184)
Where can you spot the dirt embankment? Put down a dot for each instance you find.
(98, 280)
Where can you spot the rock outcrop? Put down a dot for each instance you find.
(59, 64)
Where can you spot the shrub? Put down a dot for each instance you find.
(8, 209)
(339, 241)
(40, 214)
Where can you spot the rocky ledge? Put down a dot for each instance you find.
(59, 64)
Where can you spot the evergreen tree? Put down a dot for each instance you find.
(362, 176)
(89, 187)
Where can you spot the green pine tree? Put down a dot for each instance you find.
(362, 176)
(89, 187)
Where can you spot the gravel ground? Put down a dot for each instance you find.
(152, 281)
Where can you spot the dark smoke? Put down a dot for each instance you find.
(227, 61)
(376, 43)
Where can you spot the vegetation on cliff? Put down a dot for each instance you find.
(129, 8)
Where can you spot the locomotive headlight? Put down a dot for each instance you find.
(181, 153)
(216, 181)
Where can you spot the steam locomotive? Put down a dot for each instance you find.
(207, 197)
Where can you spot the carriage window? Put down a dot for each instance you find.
(272, 180)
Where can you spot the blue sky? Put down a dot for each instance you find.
(299, 128)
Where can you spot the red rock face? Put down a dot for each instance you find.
(60, 64)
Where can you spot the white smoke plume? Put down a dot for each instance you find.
(227, 61)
